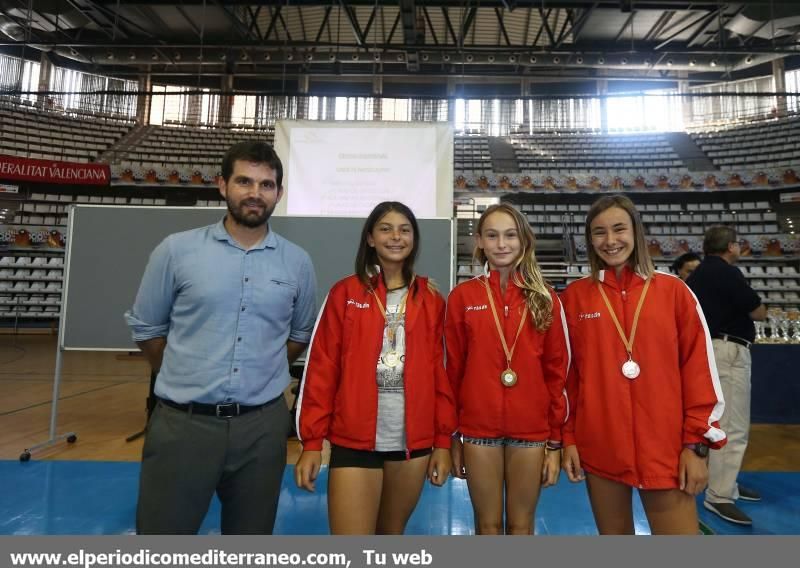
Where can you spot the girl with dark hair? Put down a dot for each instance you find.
(645, 394)
(507, 360)
(375, 385)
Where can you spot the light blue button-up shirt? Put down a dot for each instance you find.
(226, 312)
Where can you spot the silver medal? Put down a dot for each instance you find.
(630, 369)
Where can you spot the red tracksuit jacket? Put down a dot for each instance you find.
(632, 431)
(339, 395)
(536, 407)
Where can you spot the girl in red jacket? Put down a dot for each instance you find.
(644, 389)
(375, 385)
(507, 359)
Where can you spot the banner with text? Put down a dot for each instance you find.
(49, 171)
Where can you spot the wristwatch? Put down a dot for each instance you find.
(700, 449)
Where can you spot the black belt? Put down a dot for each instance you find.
(226, 410)
(734, 339)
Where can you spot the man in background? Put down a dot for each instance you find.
(730, 306)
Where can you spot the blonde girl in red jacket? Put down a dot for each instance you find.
(644, 389)
(507, 359)
(375, 385)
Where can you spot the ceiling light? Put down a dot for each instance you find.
(601, 61)
(154, 57)
(669, 62)
(290, 56)
(132, 56)
(647, 62)
(533, 59)
(425, 57)
(579, 60)
(624, 60)
(512, 58)
(376, 56)
(692, 62)
(749, 59)
(110, 55)
(332, 57)
(446, 57)
(469, 58)
(401, 56)
(354, 56)
(556, 60)
(713, 63)
(267, 56)
(309, 57)
(490, 59)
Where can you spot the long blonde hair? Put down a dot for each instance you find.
(527, 274)
(639, 261)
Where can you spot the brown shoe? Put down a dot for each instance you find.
(729, 512)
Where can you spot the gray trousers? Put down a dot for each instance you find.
(188, 457)
(733, 365)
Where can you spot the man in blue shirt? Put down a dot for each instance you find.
(220, 314)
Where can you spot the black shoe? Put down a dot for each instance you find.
(729, 512)
(747, 494)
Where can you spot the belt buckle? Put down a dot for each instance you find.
(228, 410)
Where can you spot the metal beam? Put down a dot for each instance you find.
(702, 21)
(468, 21)
(353, 20)
(578, 26)
(189, 21)
(254, 21)
(662, 21)
(449, 24)
(274, 21)
(627, 23)
(394, 28)
(430, 25)
(546, 25)
(502, 25)
(324, 22)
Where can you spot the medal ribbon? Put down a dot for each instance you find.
(392, 330)
(509, 353)
(627, 342)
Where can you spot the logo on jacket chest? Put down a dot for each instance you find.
(588, 315)
(359, 305)
(476, 308)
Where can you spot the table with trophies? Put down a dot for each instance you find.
(776, 368)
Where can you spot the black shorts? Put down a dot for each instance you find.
(346, 457)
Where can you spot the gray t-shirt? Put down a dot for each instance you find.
(391, 429)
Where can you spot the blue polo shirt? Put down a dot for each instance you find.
(226, 312)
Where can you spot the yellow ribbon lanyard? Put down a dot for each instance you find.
(509, 353)
(392, 329)
(627, 342)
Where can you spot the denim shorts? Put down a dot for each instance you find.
(498, 442)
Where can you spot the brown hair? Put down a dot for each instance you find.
(639, 261)
(367, 258)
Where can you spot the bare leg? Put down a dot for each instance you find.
(523, 473)
(670, 511)
(402, 486)
(354, 496)
(611, 505)
(484, 465)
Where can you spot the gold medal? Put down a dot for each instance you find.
(391, 359)
(508, 378)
